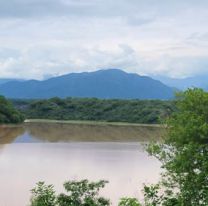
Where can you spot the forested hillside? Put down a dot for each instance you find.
(133, 111)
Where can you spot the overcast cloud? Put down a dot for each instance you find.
(44, 38)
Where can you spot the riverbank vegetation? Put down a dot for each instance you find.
(184, 157)
(92, 109)
(78, 193)
(184, 154)
(8, 114)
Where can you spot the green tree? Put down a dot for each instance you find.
(83, 193)
(126, 201)
(79, 193)
(8, 114)
(184, 154)
(43, 195)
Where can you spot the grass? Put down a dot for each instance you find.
(90, 122)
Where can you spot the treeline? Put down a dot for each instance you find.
(92, 109)
(8, 114)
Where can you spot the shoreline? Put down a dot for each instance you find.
(86, 122)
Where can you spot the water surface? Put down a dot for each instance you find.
(55, 153)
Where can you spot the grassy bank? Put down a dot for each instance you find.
(91, 122)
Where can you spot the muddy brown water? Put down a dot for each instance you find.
(55, 152)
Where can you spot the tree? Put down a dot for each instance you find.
(8, 114)
(129, 202)
(79, 193)
(43, 195)
(184, 154)
(83, 193)
(92, 109)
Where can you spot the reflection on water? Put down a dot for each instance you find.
(81, 151)
(8, 134)
(125, 165)
(58, 132)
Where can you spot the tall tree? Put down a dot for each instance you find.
(184, 154)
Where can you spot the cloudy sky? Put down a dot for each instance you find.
(44, 38)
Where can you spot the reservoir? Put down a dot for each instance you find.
(57, 152)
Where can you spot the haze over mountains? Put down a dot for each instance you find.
(111, 83)
(3, 81)
(200, 81)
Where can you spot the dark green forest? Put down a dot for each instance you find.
(8, 114)
(92, 109)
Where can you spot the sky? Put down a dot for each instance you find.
(44, 38)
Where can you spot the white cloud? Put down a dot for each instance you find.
(41, 38)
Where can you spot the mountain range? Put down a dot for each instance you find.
(200, 81)
(3, 81)
(105, 84)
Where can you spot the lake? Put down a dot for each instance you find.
(56, 152)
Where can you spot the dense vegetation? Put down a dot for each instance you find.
(184, 157)
(8, 114)
(78, 193)
(184, 154)
(133, 111)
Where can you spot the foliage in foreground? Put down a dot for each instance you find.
(79, 193)
(8, 114)
(184, 154)
(126, 201)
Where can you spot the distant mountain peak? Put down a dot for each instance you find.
(111, 70)
(106, 83)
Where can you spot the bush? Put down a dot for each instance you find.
(79, 193)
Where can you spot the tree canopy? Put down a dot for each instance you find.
(78, 193)
(8, 114)
(184, 154)
(111, 110)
